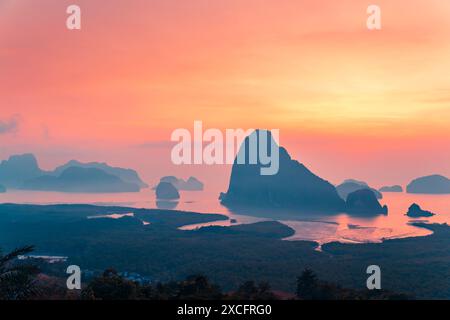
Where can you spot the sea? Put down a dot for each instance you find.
(322, 228)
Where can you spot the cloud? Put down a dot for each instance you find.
(9, 125)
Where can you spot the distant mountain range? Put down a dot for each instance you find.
(23, 172)
(77, 179)
(127, 175)
(434, 184)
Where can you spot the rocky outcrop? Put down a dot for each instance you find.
(191, 184)
(364, 202)
(166, 191)
(415, 211)
(294, 186)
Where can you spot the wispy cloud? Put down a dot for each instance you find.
(9, 125)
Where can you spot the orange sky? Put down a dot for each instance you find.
(349, 102)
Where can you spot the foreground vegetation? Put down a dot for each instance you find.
(21, 282)
(17, 281)
(110, 286)
(228, 256)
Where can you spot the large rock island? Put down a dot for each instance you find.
(294, 186)
(167, 191)
(434, 184)
(364, 201)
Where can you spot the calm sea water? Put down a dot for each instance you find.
(320, 228)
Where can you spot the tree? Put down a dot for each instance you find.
(110, 286)
(17, 281)
(307, 285)
(250, 291)
(198, 287)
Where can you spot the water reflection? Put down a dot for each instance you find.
(167, 205)
(318, 227)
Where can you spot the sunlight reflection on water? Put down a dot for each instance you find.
(314, 227)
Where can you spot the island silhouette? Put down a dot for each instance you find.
(191, 184)
(415, 211)
(434, 184)
(351, 185)
(395, 188)
(23, 172)
(293, 187)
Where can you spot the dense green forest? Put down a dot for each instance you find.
(227, 256)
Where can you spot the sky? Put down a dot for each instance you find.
(349, 102)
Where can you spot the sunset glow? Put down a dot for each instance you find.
(348, 101)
